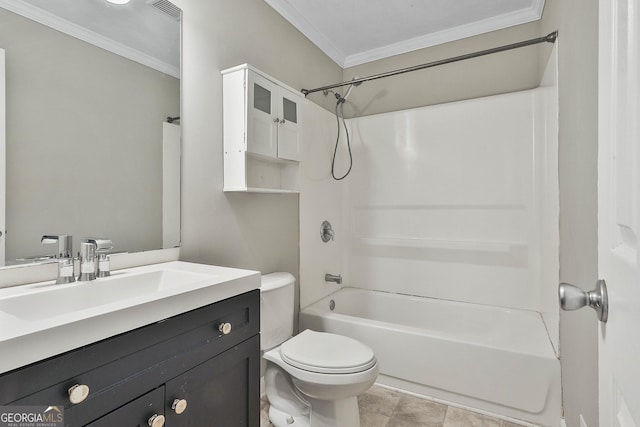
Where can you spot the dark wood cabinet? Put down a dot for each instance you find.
(132, 376)
(218, 392)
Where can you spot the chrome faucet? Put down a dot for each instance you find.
(333, 278)
(89, 247)
(64, 256)
(64, 242)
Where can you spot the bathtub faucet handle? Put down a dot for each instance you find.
(333, 278)
(326, 232)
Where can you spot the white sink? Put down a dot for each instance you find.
(120, 287)
(41, 320)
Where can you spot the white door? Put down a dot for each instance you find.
(619, 211)
(3, 115)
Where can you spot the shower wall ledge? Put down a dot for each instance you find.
(462, 245)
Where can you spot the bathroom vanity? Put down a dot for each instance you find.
(199, 367)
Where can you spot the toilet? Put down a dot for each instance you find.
(311, 379)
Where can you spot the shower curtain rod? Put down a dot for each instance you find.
(549, 38)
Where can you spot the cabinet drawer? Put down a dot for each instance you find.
(119, 369)
(136, 413)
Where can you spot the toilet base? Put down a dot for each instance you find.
(335, 413)
(283, 419)
(324, 413)
(291, 408)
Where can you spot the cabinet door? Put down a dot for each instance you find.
(262, 116)
(136, 413)
(289, 127)
(222, 392)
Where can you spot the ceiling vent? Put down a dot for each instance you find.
(166, 7)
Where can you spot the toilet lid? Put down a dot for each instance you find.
(327, 353)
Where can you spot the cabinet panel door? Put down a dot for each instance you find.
(136, 413)
(262, 113)
(222, 392)
(289, 128)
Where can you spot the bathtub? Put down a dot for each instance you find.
(490, 359)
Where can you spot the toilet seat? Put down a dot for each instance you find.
(326, 353)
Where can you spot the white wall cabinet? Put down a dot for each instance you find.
(262, 132)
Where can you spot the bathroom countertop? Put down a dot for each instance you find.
(41, 320)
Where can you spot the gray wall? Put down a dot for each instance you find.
(254, 231)
(489, 75)
(81, 160)
(577, 22)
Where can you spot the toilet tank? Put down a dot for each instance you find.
(276, 309)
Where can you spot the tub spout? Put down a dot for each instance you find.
(333, 278)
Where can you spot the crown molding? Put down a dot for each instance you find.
(50, 20)
(291, 14)
(457, 33)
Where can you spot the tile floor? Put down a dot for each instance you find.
(381, 407)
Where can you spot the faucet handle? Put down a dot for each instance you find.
(65, 271)
(89, 247)
(99, 244)
(103, 245)
(64, 242)
(104, 265)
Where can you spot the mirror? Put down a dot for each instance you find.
(89, 152)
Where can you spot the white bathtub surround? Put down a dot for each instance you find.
(489, 358)
(455, 201)
(446, 202)
(320, 200)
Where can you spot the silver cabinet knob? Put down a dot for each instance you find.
(179, 405)
(572, 298)
(225, 328)
(156, 421)
(282, 121)
(78, 393)
(276, 120)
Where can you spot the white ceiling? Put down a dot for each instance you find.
(353, 32)
(136, 30)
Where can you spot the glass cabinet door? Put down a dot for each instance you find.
(262, 118)
(288, 131)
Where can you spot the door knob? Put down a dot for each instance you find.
(573, 298)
